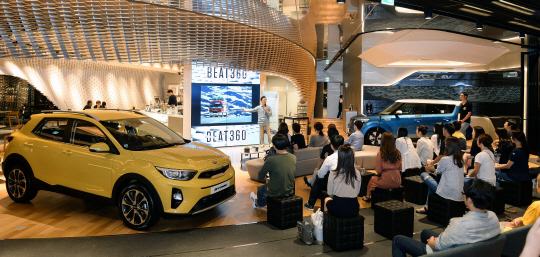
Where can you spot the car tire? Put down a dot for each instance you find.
(19, 184)
(369, 137)
(138, 207)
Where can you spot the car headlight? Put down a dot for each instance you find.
(177, 174)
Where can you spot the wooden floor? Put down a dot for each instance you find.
(55, 215)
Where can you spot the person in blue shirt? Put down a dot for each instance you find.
(477, 225)
(356, 139)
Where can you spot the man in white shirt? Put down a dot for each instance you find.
(356, 139)
(321, 181)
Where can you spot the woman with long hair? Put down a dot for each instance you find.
(319, 139)
(424, 146)
(451, 168)
(283, 129)
(504, 145)
(344, 185)
(438, 138)
(408, 154)
(484, 167)
(518, 163)
(468, 158)
(387, 166)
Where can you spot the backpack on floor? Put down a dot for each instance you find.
(305, 231)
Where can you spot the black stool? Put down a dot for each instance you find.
(441, 210)
(416, 190)
(381, 195)
(284, 212)
(517, 193)
(365, 181)
(410, 172)
(498, 201)
(394, 218)
(343, 233)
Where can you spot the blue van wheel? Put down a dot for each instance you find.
(369, 137)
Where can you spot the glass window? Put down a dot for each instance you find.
(412, 108)
(85, 134)
(139, 134)
(390, 109)
(52, 129)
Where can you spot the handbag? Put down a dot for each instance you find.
(317, 219)
(305, 231)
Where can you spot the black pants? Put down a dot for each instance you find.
(318, 185)
(339, 111)
(402, 245)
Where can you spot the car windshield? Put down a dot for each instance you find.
(215, 105)
(138, 134)
(390, 109)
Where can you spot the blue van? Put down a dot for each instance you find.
(408, 113)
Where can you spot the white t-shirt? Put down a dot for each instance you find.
(487, 170)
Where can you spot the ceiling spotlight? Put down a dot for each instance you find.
(521, 35)
(428, 13)
(479, 26)
(340, 1)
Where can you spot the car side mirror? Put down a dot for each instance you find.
(100, 148)
(398, 112)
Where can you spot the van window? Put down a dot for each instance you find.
(52, 129)
(412, 108)
(86, 134)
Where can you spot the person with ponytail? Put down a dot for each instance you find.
(518, 163)
(344, 185)
(437, 139)
(484, 162)
(319, 139)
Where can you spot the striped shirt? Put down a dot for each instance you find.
(451, 184)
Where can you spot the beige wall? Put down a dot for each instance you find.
(288, 94)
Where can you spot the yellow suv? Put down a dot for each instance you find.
(122, 157)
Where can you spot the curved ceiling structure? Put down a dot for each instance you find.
(242, 34)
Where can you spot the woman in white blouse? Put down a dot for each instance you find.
(424, 147)
(409, 157)
(438, 138)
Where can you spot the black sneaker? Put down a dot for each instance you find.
(307, 182)
(308, 207)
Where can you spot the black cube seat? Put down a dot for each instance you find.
(441, 210)
(284, 212)
(382, 195)
(498, 201)
(411, 172)
(416, 190)
(343, 234)
(517, 193)
(393, 218)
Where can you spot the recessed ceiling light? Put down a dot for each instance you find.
(524, 25)
(477, 8)
(474, 11)
(516, 5)
(428, 13)
(406, 10)
(520, 10)
(427, 62)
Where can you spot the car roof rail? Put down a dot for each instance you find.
(125, 110)
(75, 112)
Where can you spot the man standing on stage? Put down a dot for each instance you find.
(264, 112)
(465, 112)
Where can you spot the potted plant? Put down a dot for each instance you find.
(246, 149)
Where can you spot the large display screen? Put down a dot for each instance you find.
(218, 96)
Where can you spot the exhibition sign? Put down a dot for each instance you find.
(218, 96)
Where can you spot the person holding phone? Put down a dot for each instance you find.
(264, 112)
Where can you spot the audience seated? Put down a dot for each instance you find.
(298, 140)
(284, 130)
(477, 225)
(437, 139)
(280, 168)
(404, 144)
(531, 214)
(344, 185)
(484, 167)
(320, 182)
(424, 146)
(387, 166)
(504, 145)
(518, 163)
(510, 125)
(356, 139)
(450, 166)
(468, 158)
(460, 136)
(318, 139)
(448, 130)
(325, 152)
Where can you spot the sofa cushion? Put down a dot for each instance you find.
(308, 153)
(515, 241)
(367, 156)
(490, 247)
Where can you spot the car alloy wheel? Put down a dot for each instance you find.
(135, 207)
(372, 135)
(16, 183)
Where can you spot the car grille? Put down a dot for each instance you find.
(216, 173)
(213, 199)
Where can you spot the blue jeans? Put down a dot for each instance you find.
(466, 179)
(402, 245)
(430, 182)
(261, 196)
(501, 175)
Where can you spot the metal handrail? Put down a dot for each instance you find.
(77, 112)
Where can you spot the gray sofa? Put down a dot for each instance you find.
(490, 247)
(515, 241)
(306, 162)
(367, 156)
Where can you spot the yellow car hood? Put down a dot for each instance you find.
(188, 156)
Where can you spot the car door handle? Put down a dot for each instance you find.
(68, 152)
(418, 120)
(28, 144)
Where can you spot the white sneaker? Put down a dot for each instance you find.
(253, 198)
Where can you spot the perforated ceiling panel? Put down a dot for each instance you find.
(242, 34)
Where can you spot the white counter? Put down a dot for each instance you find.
(173, 121)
